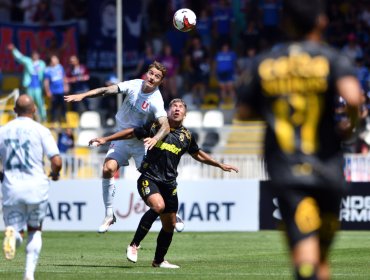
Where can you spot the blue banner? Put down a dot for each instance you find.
(102, 34)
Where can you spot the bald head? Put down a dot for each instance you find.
(24, 106)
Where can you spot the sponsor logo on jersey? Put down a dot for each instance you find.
(145, 105)
(182, 137)
(168, 147)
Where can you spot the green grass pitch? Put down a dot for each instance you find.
(214, 255)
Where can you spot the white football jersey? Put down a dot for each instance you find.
(23, 144)
(138, 108)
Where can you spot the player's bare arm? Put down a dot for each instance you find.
(56, 166)
(205, 158)
(102, 91)
(350, 90)
(162, 132)
(120, 135)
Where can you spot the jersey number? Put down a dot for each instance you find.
(296, 122)
(14, 162)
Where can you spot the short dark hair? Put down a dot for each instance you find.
(175, 100)
(301, 15)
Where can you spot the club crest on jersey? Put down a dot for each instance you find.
(145, 105)
(182, 137)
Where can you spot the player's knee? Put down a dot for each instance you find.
(158, 207)
(306, 271)
(109, 169)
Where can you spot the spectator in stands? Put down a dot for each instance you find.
(223, 20)
(29, 8)
(77, 77)
(56, 86)
(270, 14)
(170, 83)
(225, 69)
(197, 68)
(33, 76)
(5, 7)
(66, 141)
(244, 65)
(145, 60)
(43, 14)
(352, 49)
(204, 28)
(109, 104)
(251, 35)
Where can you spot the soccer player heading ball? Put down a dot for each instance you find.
(142, 103)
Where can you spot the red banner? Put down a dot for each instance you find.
(60, 39)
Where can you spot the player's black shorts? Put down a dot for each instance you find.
(308, 212)
(147, 187)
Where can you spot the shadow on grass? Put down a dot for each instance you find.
(101, 266)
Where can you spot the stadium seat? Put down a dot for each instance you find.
(10, 83)
(213, 119)
(193, 119)
(89, 120)
(73, 119)
(210, 141)
(85, 136)
(6, 117)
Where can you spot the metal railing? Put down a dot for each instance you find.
(356, 169)
(90, 166)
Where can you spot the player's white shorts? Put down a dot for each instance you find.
(123, 150)
(21, 215)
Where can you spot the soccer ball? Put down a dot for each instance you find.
(184, 20)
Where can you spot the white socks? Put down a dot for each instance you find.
(109, 191)
(18, 239)
(33, 248)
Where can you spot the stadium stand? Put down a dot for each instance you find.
(245, 138)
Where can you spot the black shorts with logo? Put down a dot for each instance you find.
(146, 187)
(308, 212)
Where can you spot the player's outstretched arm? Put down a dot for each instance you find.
(120, 135)
(162, 132)
(205, 158)
(102, 91)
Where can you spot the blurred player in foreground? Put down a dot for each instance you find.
(294, 88)
(142, 103)
(25, 187)
(157, 184)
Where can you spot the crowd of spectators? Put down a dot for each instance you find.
(207, 65)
